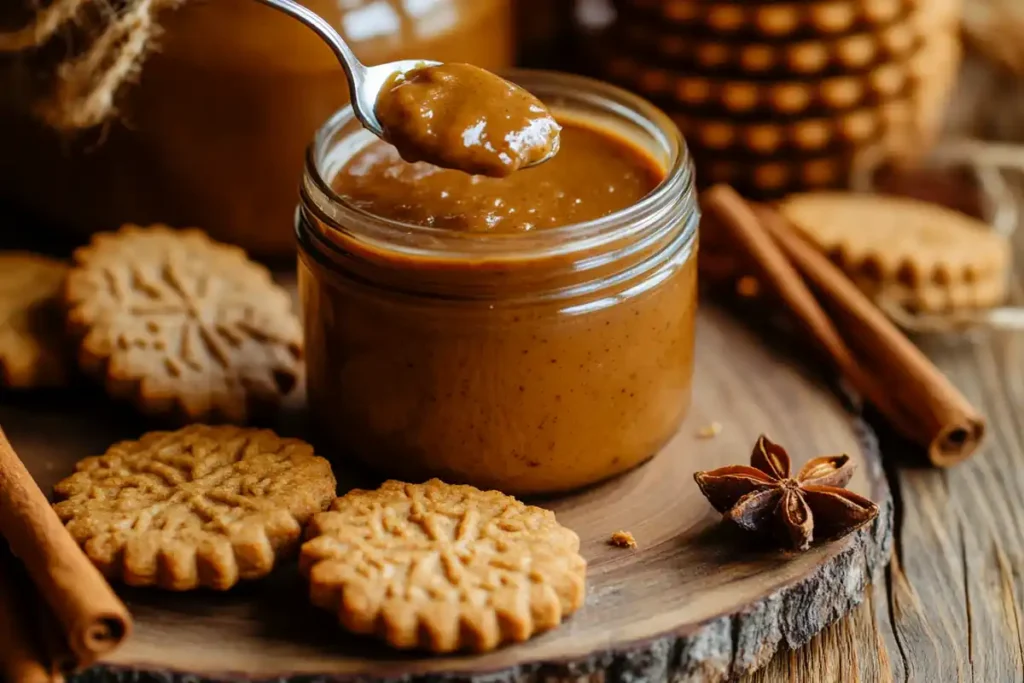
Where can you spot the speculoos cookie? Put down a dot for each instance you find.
(771, 20)
(199, 507)
(441, 567)
(919, 254)
(187, 328)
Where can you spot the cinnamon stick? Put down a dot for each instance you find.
(884, 366)
(21, 659)
(92, 618)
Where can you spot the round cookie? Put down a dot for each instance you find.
(770, 20)
(814, 56)
(919, 252)
(32, 353)
(778, 98)
(442, 568)
(185, 327)
(770, 178)
(801, 136)
(987, 290)
(199, 507)
(809, 57)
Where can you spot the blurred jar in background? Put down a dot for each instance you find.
(214, 133)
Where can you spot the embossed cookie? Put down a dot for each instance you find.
(199, 507)
(31, 324)
(442, 568)
(984, 291)
(773, 20)
(185, 327)
(921, 253)
(814, 56)
(814, 134)
(737, 96)
(775, 177)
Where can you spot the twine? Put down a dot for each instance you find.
(82, 88)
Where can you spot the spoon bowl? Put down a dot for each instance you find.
(364, 82)
(365, 89)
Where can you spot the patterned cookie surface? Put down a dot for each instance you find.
(772, 178)
(697, 93)
(850, 53)
(898, 240)
(442, 568)
(809, 135)
(985, 290)
(185, 327)
(31, 328)
(199, 507)
(771, 20)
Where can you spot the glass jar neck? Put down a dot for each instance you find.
(557, 262)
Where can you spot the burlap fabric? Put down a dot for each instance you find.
(69, 60)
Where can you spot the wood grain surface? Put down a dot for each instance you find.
(951, 605)
(696, 601)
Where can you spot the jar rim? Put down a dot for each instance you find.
(412, 239)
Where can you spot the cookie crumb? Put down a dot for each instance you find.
(748, 287)
(710, 431)
(622, 539)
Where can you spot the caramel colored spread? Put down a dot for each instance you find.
(463, 117)
(593, 175)
(215, 130)
(532, 373)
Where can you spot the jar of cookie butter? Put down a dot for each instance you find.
(213, 133)
(534, 333)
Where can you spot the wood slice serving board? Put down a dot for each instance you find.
(697, 600)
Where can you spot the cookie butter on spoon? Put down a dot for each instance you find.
(466, 118)
(453, 115)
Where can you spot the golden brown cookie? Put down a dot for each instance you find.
(775, 177)
(774, 20)
(32, 352)
(737, 96)
(814, 56)
(199, 507)
(921, 252)
(808, 135)
(185, 327)
(442, 568)
(985, 291)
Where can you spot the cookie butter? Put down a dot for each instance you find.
(463, 117)
(532, 333)
(214, 131)
(595, 175)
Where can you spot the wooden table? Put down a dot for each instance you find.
(952, 607)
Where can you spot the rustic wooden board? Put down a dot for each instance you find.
(696, 601)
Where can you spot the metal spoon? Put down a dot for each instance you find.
(364, 82)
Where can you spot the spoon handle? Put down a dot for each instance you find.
(354, 69)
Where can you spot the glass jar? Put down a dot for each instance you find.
(213, 134)
(533, 362)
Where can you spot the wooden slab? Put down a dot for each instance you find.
(697, 601)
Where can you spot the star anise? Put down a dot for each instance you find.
(765, 499)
